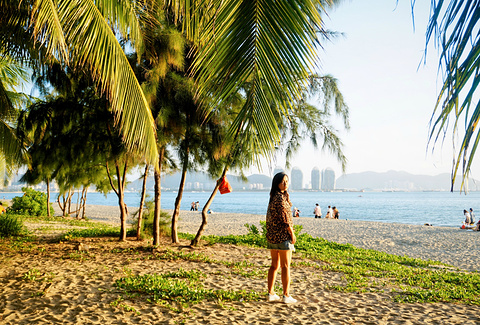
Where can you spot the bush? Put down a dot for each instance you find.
(11, 225)
(32, 203)
(147, 221)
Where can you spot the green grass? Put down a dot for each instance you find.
(183, 287)
(364, 270)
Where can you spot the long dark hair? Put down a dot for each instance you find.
(277, 179)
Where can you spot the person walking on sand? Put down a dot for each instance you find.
(192, 206)
(280, 237)
(472, 217)
(317, 211)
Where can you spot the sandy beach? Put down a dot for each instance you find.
(74, 288)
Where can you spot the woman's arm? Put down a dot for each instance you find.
(292, 234)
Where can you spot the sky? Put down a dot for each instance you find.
(390, 90)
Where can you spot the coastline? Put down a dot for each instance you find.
(454, 246)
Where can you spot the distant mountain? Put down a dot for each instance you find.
(398, 180)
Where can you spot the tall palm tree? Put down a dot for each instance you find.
(453, 26)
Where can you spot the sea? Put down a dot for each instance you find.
(417, 208)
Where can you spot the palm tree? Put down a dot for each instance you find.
(268, 42)
(78, 34)
(307, 121)
(273, 45)
(453, 26)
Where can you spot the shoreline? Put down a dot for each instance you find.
(454, 246)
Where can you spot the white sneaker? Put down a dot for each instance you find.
(289, 300)
(273, 297)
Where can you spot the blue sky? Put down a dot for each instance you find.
(389, 88)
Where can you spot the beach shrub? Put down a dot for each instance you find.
(147, 221)
(11, 225)
(31, 203)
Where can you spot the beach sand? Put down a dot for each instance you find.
(53, 283)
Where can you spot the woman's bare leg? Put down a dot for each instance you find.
(272, 272)
(285, 259)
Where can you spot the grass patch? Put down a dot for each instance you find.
(11, 225)
(410, 279)
(183, 287)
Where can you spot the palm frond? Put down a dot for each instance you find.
(96, 47)
(127, 16)
(48, 28)
(454, 27)
(270, 44)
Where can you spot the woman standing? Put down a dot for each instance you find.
(280, 236)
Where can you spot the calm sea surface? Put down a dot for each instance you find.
(436, 208)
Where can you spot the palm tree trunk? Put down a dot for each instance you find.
(196, 240)
(178, 200)
(62, 207)
(48, 198)
(83, 202)
(68, 203)
(158, 194)
(77, 207)
(142, 202)
(121, 201)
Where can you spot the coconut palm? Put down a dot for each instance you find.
(453, 26)
(78, 33)
(271, 44)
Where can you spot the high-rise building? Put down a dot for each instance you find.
(315, 178)
(296, 180)
(328, 179)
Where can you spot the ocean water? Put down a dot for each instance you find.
(436, 208)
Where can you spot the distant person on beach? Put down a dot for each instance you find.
(296, 212)
(197, 206)
(280, 237)
(336, 214)
(317, 211)
(192, 206)
(467, 217)
(329, 213)
(472, 217)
